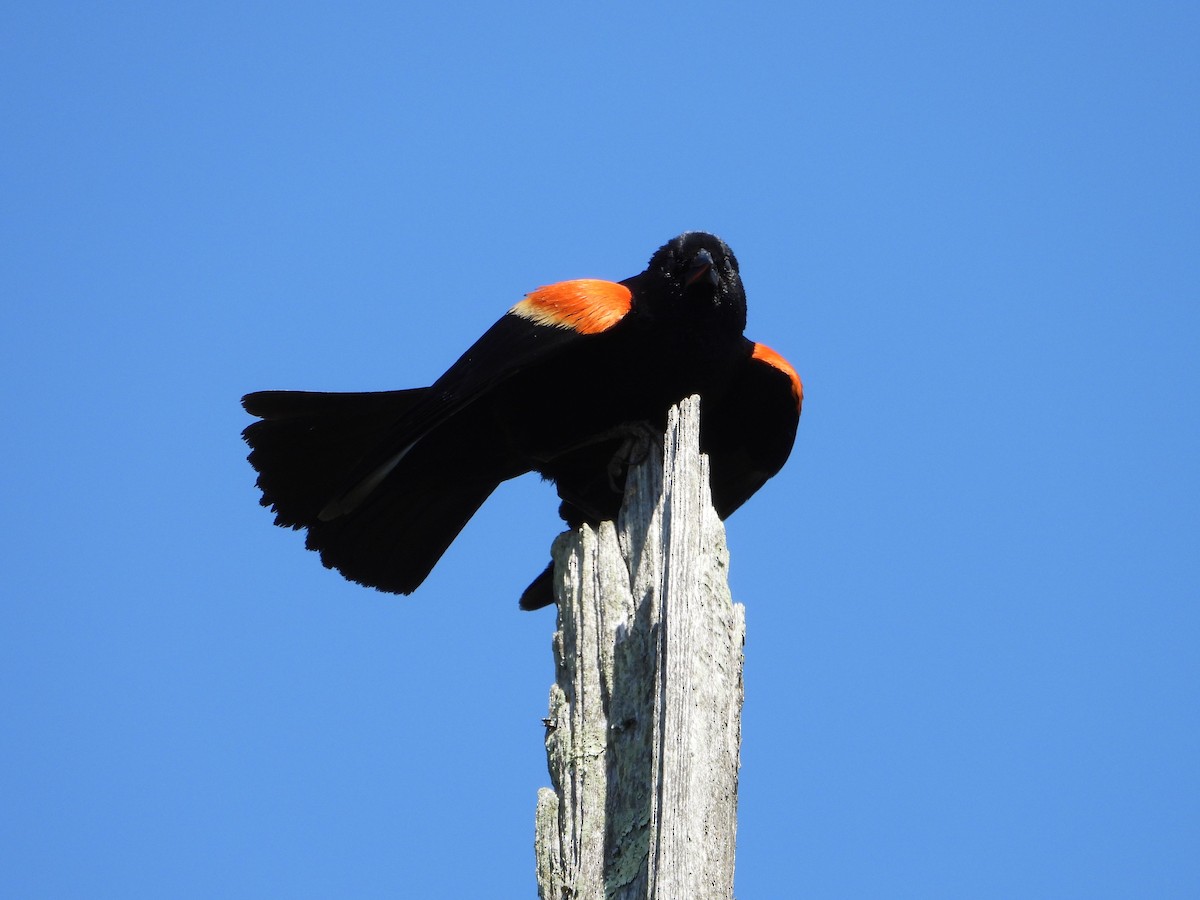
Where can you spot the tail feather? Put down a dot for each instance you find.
(393, 541)
(540, 592)
(276, 405)
(311, 448)
(307, 444)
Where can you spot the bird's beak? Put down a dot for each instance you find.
(702, 265)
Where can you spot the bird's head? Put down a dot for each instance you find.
(696, 274)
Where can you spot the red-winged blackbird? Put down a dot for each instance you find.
(385, 481)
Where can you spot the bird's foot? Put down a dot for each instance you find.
(638, 440)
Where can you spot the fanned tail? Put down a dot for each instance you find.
(311, 448)
(308, 443)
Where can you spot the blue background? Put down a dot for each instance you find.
(972, 665)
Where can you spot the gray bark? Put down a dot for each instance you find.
(644, 729)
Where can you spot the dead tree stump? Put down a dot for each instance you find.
(644, 729)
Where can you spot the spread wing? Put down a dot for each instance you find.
(543, 326)
(383, 482)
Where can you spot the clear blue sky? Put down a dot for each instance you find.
(973, 664)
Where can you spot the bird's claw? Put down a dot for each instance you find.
(639, 439)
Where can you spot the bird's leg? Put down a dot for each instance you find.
(639, 439)
(640, 434)
(590, 475)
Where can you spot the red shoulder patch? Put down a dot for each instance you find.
(586, 305)
(763, 353)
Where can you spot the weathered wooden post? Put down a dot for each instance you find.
(644, 729)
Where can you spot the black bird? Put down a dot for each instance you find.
(384, 481)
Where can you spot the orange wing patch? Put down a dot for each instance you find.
(763, 353)
(586, 305)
